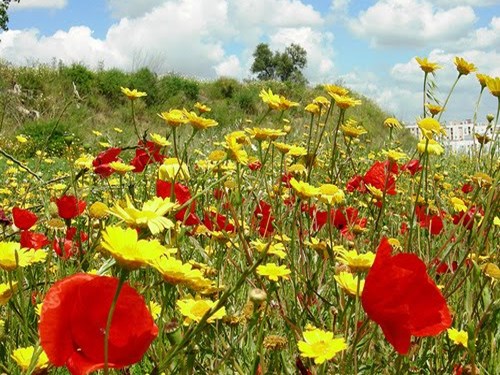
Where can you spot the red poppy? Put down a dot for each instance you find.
(101, 162)
(356, 183)
(32, 240)
(443, 267)
(181, 195)
(69, 245)
(467, 188)
(217, 222)
(467, 218)
(433, 222)
(73, 321)
(145, 154)
(402, 299)
(377, 176)
(23, 219)
(413, 166)
(69, 206)
(263, 213)
(255, 165)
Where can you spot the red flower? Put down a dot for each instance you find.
(434, 223)
(467, 188)
(32, 240)
(356, 183)
(69, 206)
(145, 154)
(413, 166)
(255, 165)
(377, 176)
(101, 162)
(73, 321)
(4, 220)
(443, 267)
(263, 213)
(217, 222)
(23, 219)
(181, 195)
(402, 299)
(467, 218)
(68, 246)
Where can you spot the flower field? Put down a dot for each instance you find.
(279, 246)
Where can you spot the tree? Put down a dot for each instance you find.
(283, 66)
(4, 17)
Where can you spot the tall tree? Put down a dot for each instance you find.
(4, 17)
(283, 66)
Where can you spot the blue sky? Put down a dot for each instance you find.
(370, 46)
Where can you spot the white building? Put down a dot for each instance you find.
(460, 134)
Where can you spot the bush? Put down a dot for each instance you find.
(145, 80)
(172, 85)
(48, 136)
(82, 77)
(108, 84)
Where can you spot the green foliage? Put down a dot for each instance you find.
(108, 83)
(81, 76)
(224, 88)
(48, 136)
(172, 85)
(284, 66)
(4, 17)
(145, 80)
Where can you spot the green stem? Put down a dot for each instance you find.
(448, 97)
(121, 281)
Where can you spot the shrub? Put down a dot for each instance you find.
(145, 80)
(172, 85)
(108, 84)
(82, 77)
(48, 136)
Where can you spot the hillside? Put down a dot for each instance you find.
(52, 102)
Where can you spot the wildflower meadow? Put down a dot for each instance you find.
(283, 243)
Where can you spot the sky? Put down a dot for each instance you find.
(368, 46)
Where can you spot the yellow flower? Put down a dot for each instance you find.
(464, 67)
(282, 147)
(23, 357)
(234, 144)
(312, 108)
(129, 252)
(262, 134)
(482, 138)
(120, 167)
(296, 151)
(427, 66)
(351, 129)
(482, 79)
(297, 168)
(320, 345)
(202, 107)
(276, 248)
(171, 170)
(458, 204)
(132, 94)
(430, 126)
(12, 256)
(154, 309)
(97, 133)
(491, 270)
(331, 194)
(432, 148)
(195, 309)
(496, 221)
(199, 122)
(6, 292)
(159, 140)
(482, 179)
(395, 156)
(287, 104)
(151, 215)
(21, 138)
(175, 272)
(272, 100)
(336, 90)
(375, 192)
(303, 189)
(434, 109)
(98, 210)
(118, 130)
(392, 123)
(355, 261)
(174, 117)
(272, 271)
(84, 161)
(344, 102)
(458, 337)
(349, 283)
(493, 85)
(322, 101)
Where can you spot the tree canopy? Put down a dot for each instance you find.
(4, 17)
(282, 66)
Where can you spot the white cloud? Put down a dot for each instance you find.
(474, 3)
(229, 67)
(319, 49)
(25, 4)
(411, 23)
(132, 8)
